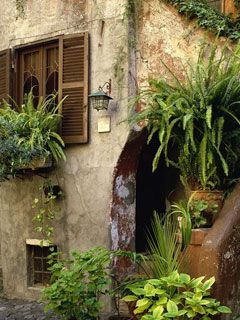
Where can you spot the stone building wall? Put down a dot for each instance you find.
(91, 170)
(86, 176)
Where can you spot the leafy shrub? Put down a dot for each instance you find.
(78, 284)
(174, 297)
(27, 133)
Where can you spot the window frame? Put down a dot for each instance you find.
(81, 131)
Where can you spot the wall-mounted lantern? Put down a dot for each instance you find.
(100, 100)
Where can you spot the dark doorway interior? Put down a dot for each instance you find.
(153, 189)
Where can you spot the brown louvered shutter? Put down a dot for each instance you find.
(73, 83)
(5, 74)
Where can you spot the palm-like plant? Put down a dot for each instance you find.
(164, 248)
(199, 117)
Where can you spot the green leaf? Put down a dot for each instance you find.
(172, 307)
(199, 309)
(191, 314)
(208, 284)
(129, 298)
(142, 309)
(138, 291)
(197, 297)
(155, 282)
(209, 117)
(162, 300)
(142, 302)
(184, 278)
(157, 313)
(149, 290)
(147, 317)
(224, 309)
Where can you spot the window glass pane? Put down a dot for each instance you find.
(32, 74)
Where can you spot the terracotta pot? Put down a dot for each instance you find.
(214, 198)
(37, 163)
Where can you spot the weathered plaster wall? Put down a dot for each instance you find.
(86, 177)
(161, 35)
(164, 35)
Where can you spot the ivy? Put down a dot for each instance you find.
(209, 18)
(20, 8)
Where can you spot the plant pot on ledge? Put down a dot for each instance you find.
(214, 201)
(37, 163)
(192, 254)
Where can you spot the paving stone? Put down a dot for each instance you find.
(23, 310)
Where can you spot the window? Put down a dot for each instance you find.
(57, 65)
(37, 261)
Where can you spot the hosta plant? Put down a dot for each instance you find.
(174, 297)
(198, 117)
(28, 133)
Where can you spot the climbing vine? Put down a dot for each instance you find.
(20, 4)
(46, 208)
(209, 18)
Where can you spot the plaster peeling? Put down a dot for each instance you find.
(227, 255)
(114, 234)
(121, 190)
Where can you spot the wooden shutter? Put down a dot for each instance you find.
(73, 83)
(5, 74)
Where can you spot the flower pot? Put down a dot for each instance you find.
(37, 163)
(214, 199)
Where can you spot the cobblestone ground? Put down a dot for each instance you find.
(22, 310)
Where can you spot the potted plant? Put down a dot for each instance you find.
(198, 117)
(29, 136)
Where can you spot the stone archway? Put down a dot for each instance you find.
(124, 193)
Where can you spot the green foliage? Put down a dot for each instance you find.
(28, 133)
(199, 117)
(176, 296)
(77, 284)
(208, 17)
(164, 249)
(182, 209)
(198, 207)
(46, 209)
(20, 8)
